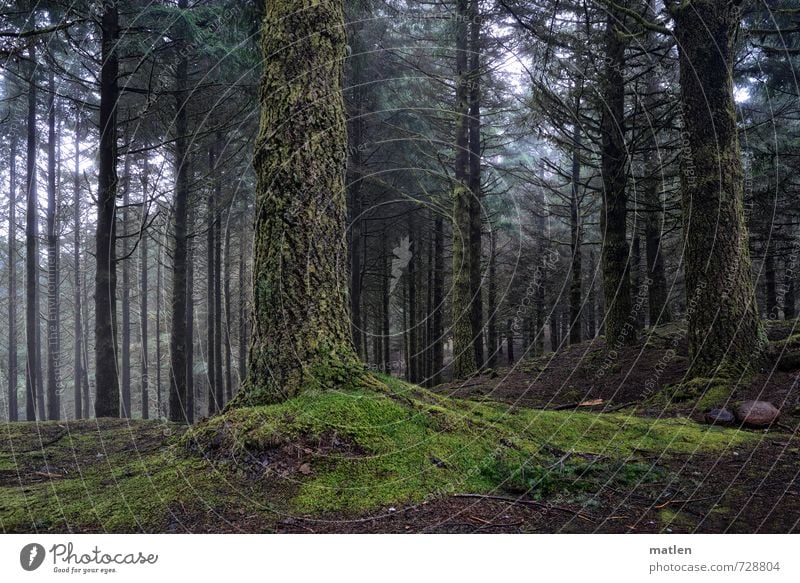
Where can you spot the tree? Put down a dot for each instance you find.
(107, 402)
(301, 326)
(724, 327)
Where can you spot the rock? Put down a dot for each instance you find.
(757, 413)
(719, 417)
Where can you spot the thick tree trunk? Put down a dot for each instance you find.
(301, 322)
(620, 330)
(789, 299)
(724, 327)
(13, 367)
(179, 347)
(32, 370)
(105, 303)
(464, 364)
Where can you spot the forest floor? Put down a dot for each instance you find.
(585, 440)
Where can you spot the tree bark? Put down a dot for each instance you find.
(214, 404)
(620, 330)
(576, 244)
(125, 381)
(13, 366)
(464, 364)
(32, 370)
(475, 219)
(144, 308)
(301, 323)
(724, 327)
(107, 402)
(179, 409)
(438, 302)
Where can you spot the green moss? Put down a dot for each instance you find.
(415, 444)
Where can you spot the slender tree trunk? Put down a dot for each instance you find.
(107, 402)
(88, 406)
(301, 321)
(592, 320)
(159, 284)
(13, 402)
(510, 341)
(144, 311)
(438, 301)
(724, 327)
(32, 371)
(385, 312)
(613, 218)
(491, 323)
(227, 290)
(475, 219)
(219, 389)
(789, 299)
(76, 264)
(53, 315)
(576, 243)
(125, 384)
(464, 364)
(242, 302)
(191, 395)
(770, 287)
(214, 405)
(179, 347)
(411, 278)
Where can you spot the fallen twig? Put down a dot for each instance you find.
(686, 501)
(522, 501)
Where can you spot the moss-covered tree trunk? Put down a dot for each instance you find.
(724, 327)
(301, 337)
(464, 364)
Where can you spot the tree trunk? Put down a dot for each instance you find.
(13, 404)
(411, 278)
(53, 324)
(724, 327)
(217, 346)
(301, 322)
(575, 288)
(191, 395)
(242, 302)
(613, 218)
(510, 341)
(143, 304)
(214, 405)
(475, 219)
(438, 302)
(227, 284)
(385, 311)
(789, 300)
(464, 364)
(32, 371)
(770, 287)
(105, 303)
(491, 323)
(179, 409)
(125, 381)
(159, 283)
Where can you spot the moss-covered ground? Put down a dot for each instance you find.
(380, 445)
